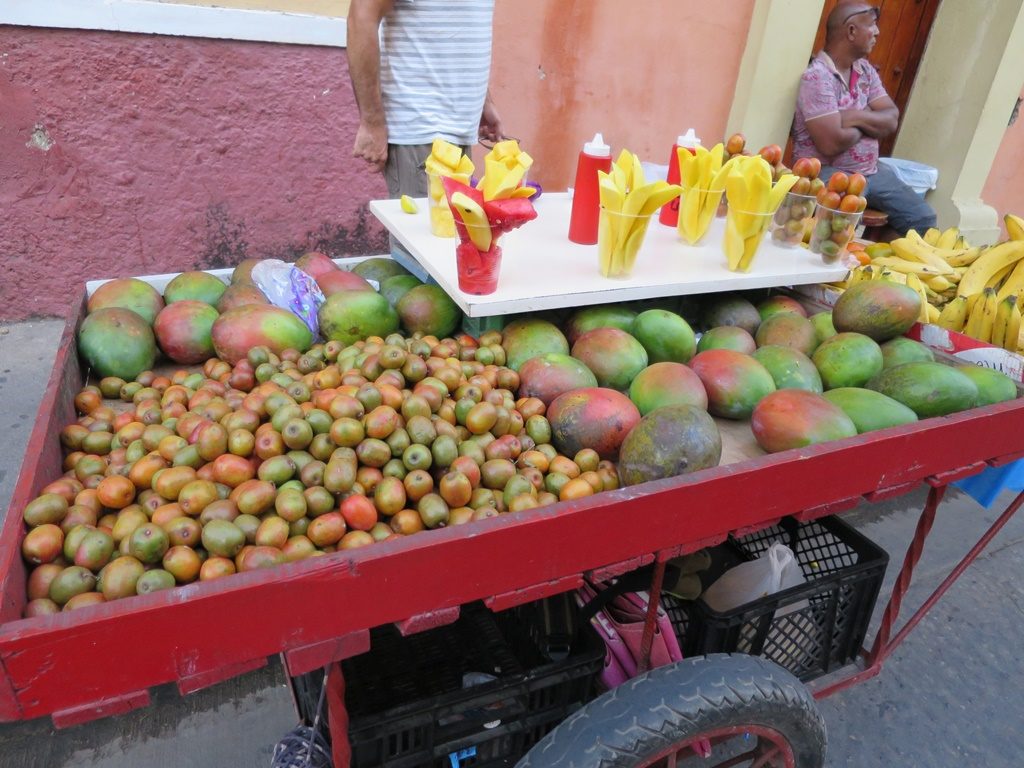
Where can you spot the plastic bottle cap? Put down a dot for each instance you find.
(597, 147)
(688, 140)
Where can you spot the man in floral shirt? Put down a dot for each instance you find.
(842, 111)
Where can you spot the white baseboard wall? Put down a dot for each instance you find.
(150, 17)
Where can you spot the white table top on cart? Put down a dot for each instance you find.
(541, 269)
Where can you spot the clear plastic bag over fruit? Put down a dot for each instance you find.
(290, 288)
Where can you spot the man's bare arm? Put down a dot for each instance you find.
(830, 136)
(879, 120)
(364, 18)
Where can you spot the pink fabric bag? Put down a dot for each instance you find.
(619, 620)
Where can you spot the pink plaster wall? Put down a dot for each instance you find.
(137, 154)
(156, 154)
(1003, 190)
(642, 72)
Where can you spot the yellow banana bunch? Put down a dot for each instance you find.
(940, 283)
(1002, 321)
(752, 201)
(702, 176)
(628, 202)
(914, 248)
(993, 320)
(907, 267)
(982, 316)
(913, 281)
(1014, 226)
(987, 266)
(885, 273)
(943, 268)
(948, 238)
(856, 275)
(954, 315)
(445, 159)
(1011, 338)
(989, 316)
(964, 257)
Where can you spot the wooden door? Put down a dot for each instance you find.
(903, 28)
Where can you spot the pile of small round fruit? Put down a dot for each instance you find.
(840, 205)
(200, 474)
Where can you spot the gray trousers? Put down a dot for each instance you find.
(885, 192)
(404, 169)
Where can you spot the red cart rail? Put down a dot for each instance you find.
(102, 660)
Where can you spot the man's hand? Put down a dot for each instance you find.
(490, 122)
(371, 144)
(364, 19)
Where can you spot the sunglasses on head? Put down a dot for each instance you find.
(873, 11)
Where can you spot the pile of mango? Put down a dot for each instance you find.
(973, 290)
(195, 475)
(130, 325)
(806, 380)
(271, 453)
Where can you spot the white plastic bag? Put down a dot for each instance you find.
(775, 570)
(290, 288)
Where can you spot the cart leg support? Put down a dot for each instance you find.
(882, 648)
(337, 717)
(647, 640)
(883, 645)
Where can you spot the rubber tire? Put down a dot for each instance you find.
(678, 702)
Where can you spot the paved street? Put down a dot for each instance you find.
(949, 697)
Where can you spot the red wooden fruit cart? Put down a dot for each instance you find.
(102, 660)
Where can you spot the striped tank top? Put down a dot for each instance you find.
(435, 63)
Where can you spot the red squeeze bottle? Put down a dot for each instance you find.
(586, 201)
(669, 215)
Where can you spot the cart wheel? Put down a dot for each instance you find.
(718, 710)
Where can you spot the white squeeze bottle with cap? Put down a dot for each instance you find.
(586, 200)
(670, 211)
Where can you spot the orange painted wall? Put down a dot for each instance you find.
(1003, 190)
(641, 72)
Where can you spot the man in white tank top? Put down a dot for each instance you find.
(419, 70)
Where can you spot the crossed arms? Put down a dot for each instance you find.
(835, 133)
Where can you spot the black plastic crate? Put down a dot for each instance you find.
(408, 708)
(810, 629)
